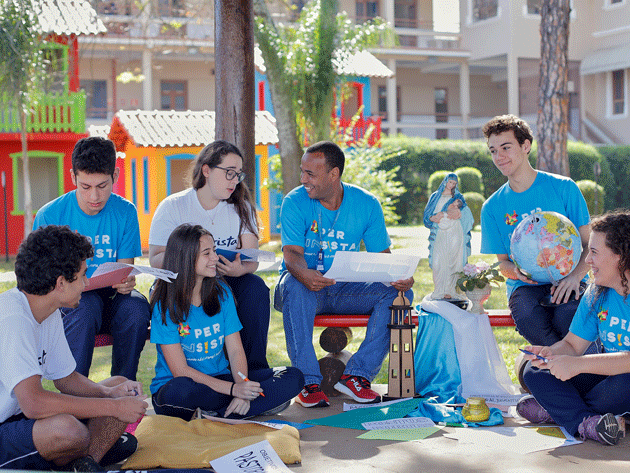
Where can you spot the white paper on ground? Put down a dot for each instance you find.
(402, 423)
(257, 457)
(353, 266)
(351, 407)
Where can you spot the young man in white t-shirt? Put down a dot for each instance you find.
(83, 424)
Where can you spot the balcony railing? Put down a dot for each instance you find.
(361, 127)
(53, 113)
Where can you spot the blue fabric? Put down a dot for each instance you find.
(114, 231)
(435, 359)
(450, 415)
(505, 209)
(202, 339)
(299, 306)
(360, 217)
(467, 219)
(607, 318)
(17, 449)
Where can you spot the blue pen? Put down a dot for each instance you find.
(541, 358)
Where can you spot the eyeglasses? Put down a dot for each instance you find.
(231, 174)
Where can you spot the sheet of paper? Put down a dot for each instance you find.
(352, 266)
(511, 439)
(107, 279)
(271, 425)
(104, 271)
(352, 407)
(252, 254)
(400, 434)
(257, 457)
(404, 423)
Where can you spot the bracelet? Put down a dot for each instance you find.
(232, 389)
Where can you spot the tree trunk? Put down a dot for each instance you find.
(281, 91)
(553, 98)
(28, 203)
(234, 68)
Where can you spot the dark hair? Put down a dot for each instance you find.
(182, 251)
(502, 123)
(616, 228)
(94, 155)
(332, 153)
(212, 155)
(46, 254)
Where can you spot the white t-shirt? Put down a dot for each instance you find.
(184, 207)
(28, 348)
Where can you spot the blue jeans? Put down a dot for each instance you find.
(569, 402)
(125, 316)
(181, 396)
(251, 295)
(540, 325)
(299, 306)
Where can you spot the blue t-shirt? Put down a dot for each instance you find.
(305, 222)
(201, 337)
(608, 319)
(114, 231)
(505, 209)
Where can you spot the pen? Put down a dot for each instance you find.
(541, 358)
(245, 378)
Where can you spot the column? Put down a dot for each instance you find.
(464, 96)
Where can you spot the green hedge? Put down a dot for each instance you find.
(423, 157)
(475, 201)
(588, 189)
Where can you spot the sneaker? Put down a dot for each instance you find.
(312, 396)
(86, 463)
(529, 408)
(605, 429)
(201, 414)
(277, 409)
(124, 447)
(358, 388)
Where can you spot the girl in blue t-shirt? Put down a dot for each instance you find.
(588, 394)
(194, 319)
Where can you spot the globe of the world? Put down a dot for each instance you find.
(545, 246)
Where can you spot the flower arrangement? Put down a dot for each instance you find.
(478, 276)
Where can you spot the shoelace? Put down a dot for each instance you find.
(364, 383)
(311, 388)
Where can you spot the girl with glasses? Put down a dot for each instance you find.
(221, 203)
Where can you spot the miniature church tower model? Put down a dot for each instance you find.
(401, 381)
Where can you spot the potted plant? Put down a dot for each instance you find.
(475, 281)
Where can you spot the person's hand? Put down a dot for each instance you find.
(454, 214)
(248, 390)
(564, 367)
(521, 277)
(237, 406)
(315, 281)
(126, 285)
(561, 293)
(403, 284)
(130, 408)
(437, 217)
(128, 388)
(234, 269)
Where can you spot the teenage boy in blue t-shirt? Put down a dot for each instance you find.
(111, 224)
(528, 190)
(319, 218)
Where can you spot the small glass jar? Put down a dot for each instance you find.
(476, 410)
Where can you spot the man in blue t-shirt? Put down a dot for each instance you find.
(528, 190)
(317, 219)
(111, 224)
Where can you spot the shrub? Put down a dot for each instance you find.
(617, 158)
(470, 180)
(475, 201)
(591, 191)
(435, 180)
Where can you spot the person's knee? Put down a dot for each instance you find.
(254, 287)
(65, 432)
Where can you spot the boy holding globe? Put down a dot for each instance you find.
(528, 190)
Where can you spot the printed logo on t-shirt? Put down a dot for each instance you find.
(226, 242)
(602, 315)
(42, 359)
(314, 226)
(208, 345)
(511, 219)
(614, 331)
(184, 330)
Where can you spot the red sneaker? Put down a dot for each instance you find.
(358, 388)
(312, 396)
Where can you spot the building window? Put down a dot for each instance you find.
(115, 7)
(618, 92)
(382, 101)
(533, 7)
(95, 98)
(174, 95)
(484, 9)
(441, 112)
(405, 13)
(366, 10)
(172, 8)
(46, 176)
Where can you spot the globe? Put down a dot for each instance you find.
(546, 246)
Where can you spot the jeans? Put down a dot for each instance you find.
(251, 295)
(125, 316)
(569, 402)
(540, 325)
(181, 396)
(299, 306)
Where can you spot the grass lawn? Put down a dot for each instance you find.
(508, 340)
